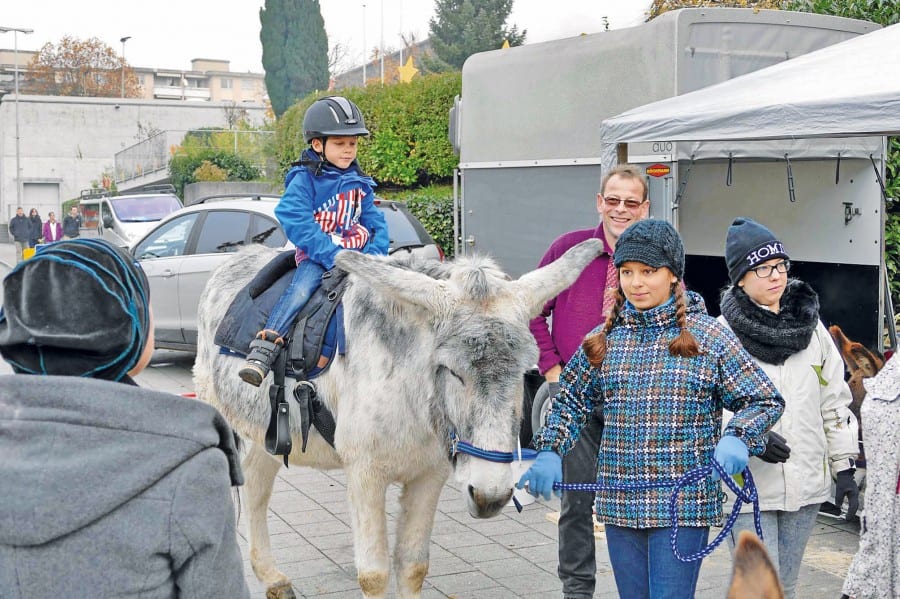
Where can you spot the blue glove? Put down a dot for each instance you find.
(732, 454)
(546, 470)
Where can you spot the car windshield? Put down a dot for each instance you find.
(144, 208)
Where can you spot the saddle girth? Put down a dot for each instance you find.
(302, 352)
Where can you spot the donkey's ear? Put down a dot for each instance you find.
(754, 577)
(538, 286)
(399, 284)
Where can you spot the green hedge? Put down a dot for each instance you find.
(184, 164)
(892, 220)
(433, 206)
(408, 124)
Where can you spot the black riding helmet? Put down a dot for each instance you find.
(334, 115)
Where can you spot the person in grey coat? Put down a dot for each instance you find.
(20, 231)
(109, 490)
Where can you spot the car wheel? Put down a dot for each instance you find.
(540, 407)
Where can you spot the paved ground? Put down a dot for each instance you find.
(512, 555)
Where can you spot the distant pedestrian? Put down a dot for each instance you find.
(36, 227)
(20, 231)
(52, 229)
(72, 224)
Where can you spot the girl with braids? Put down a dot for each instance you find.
(663, 370)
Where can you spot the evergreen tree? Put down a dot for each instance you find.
(461, 28)
(295, 50)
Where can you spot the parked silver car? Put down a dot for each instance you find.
(181, 251)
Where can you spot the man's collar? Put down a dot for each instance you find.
(600, 234)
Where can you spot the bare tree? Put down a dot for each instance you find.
(234, 114)
(338, 56)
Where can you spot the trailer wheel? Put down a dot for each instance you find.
(540, 406)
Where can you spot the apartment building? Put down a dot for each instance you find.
(208, 80)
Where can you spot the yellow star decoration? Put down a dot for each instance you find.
(407, 71)
(505, 45)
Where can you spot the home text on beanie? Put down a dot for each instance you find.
(749, 244)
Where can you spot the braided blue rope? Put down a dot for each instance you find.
(745, 494)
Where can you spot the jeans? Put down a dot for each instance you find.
(785, 537)
(307, 279)
(577, 562)
(645, 566)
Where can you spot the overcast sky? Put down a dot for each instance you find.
(169, 33)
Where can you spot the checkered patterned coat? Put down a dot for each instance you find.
(663, 413)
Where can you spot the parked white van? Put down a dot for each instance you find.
(123, 219)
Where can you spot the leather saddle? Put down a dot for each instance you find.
(315, 338)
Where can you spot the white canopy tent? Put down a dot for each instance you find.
(833, 100)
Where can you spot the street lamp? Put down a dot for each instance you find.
(365, 58)
(381, 43)
(16, 31)
(123, 40)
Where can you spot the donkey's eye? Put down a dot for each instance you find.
(453, 374)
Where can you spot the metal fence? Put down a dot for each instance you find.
(153, 154)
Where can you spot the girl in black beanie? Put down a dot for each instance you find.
(777, 321)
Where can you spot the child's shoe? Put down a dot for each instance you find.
(263, 351)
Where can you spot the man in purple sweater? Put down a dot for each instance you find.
(575, 312)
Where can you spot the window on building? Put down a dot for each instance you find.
(225, 83)
(248, 84)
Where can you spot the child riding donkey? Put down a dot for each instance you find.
(327, 206)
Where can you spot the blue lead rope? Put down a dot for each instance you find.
(745, 494)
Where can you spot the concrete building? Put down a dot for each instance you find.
(68, 142)
(208, 80)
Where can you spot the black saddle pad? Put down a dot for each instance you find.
(317, 330)
(250, 309)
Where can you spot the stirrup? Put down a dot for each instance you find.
(263, 351)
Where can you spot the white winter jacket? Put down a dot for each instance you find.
(817, 425)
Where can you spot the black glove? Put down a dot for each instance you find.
(777, 450)
(845, 486)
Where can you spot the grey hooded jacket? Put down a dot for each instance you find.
(109, 490)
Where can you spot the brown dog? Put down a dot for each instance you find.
(754, 575)
(861, 363)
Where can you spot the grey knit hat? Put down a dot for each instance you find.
(749, 244)
(652, 242)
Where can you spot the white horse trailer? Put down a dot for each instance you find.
(799, 146)
(527, 128)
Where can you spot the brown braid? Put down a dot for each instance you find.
(684, 345)
(594, 346)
